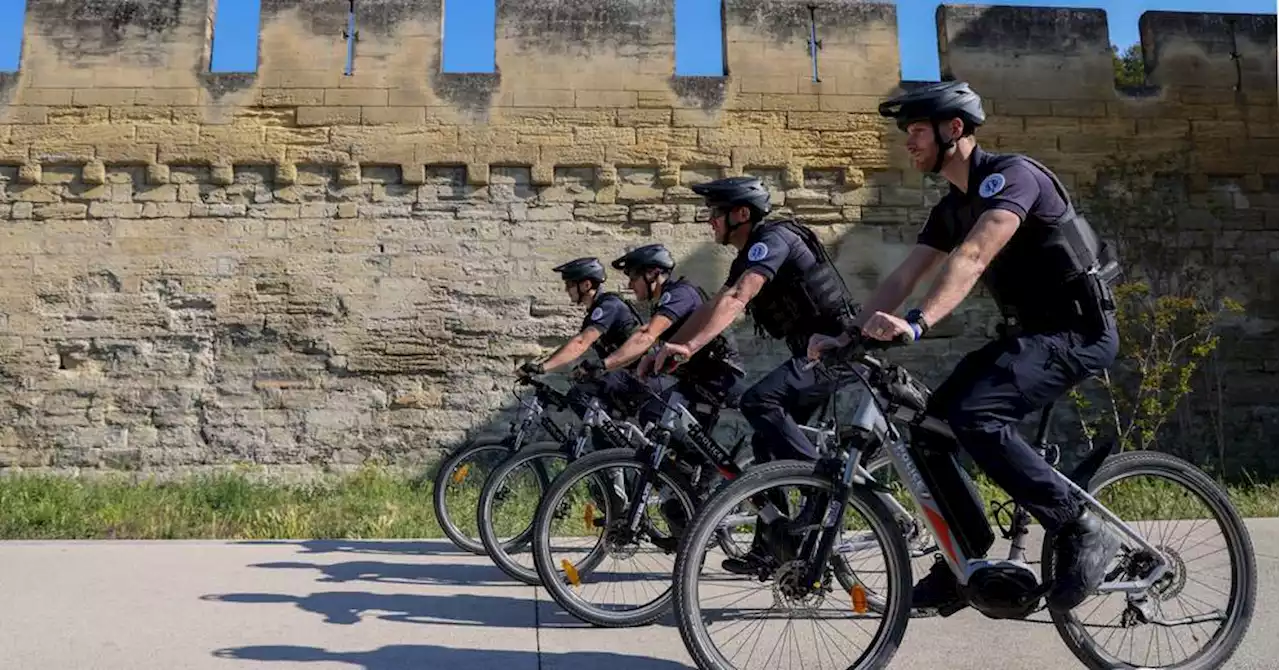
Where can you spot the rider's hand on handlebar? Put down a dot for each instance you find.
(669, 357)
(588, 369)
(820, 343)
(887, 327)
(530, 369)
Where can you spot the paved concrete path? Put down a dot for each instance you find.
(394, 605)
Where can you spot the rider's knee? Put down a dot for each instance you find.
(755, 400)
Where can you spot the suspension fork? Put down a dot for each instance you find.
(652, 453)
(832, 508)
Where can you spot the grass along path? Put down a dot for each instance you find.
(371, 503)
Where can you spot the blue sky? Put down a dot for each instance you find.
(697, 31)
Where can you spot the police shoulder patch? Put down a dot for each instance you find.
(991, 185)
(597, 313)
(757, 251)
(666, 298)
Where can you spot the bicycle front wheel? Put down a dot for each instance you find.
(509, 502)
(861, 628)
(589, 559)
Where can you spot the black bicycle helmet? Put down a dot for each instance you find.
(735, 191)
(936, 102)
(648, 256)
(581, 268)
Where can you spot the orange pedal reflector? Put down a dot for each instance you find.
(570, 571)
(461, 474)
(859, 596)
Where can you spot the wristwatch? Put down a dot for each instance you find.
(916, 318)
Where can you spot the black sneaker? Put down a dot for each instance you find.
(938, 589)
(763, 556)
(752, 563)
(1082, 550)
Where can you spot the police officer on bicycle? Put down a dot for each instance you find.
(610, 320)
(784, 278)
(709, 379)
(1008, 221)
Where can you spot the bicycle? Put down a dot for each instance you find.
(1147, 574)
(459, 464)
(691, 476)
(682, 478)
(541, 456)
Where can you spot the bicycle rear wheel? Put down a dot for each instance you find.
(456, 491)
(509, 502)
(1180, 526)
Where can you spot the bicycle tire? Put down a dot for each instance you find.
(887, 639)
(500, 552)
(447, 467)
(1224, 644)
(550, 575)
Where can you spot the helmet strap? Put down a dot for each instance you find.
(943, 147)
(730, 227)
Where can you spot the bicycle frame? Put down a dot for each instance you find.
(881, 425)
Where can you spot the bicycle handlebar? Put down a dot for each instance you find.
(549, 393)
(859, 344)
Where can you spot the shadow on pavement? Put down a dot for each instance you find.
(402, 573)
(426, 657)
(412, 547)
(348, 607)
(407, 573)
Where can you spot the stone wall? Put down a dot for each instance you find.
(301, 267)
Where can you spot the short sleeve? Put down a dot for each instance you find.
(678, 303)
(938, 231)
(1014, 188)
(606, 316)
(767, 255)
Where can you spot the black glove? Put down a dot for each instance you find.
(589, 368)
(529, 369)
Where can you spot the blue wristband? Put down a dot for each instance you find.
(915, 328)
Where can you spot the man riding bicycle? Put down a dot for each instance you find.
(785, 279)
(706, 383)
(1008, 221)
(609, 322)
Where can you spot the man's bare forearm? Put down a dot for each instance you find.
(695, 322)
(887, 298)
(633, 348)
(958, 276)
(570, 351)
(725, 310)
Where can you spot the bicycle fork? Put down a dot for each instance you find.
(655, 451)
(832, 508)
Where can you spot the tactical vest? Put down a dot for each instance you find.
(1052, 268)
(722, 347)
(797, 303)
(613, 339)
